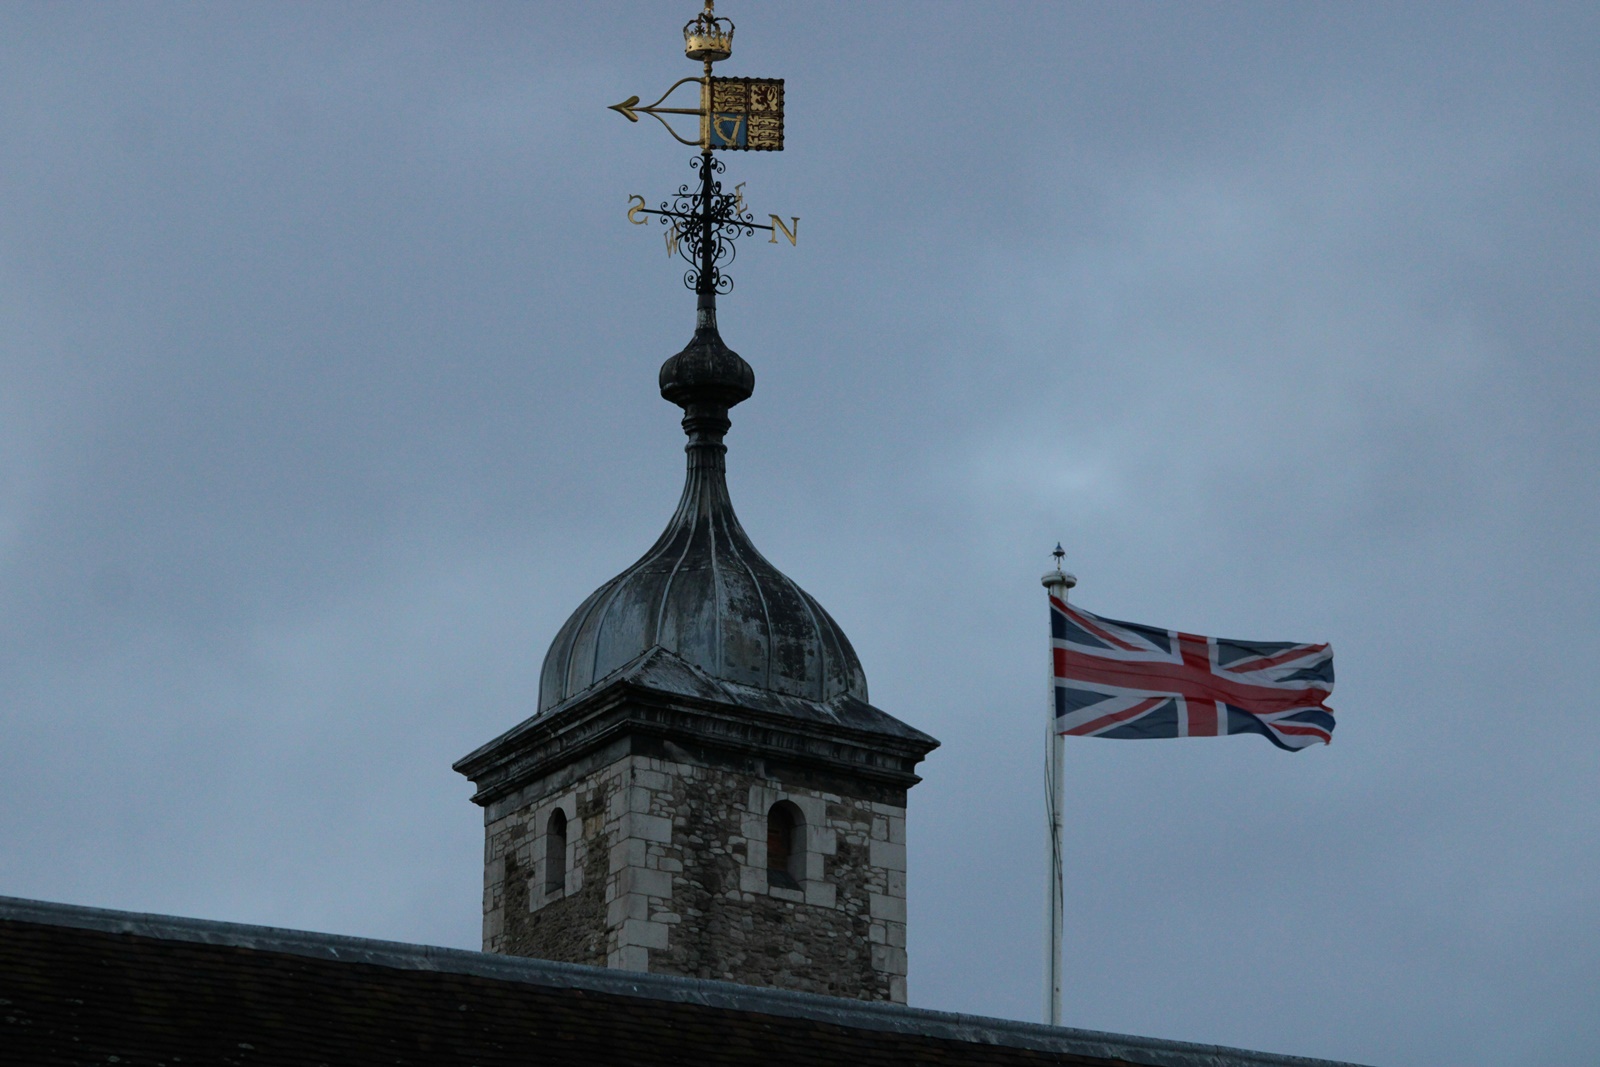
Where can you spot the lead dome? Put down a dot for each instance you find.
(703, 592)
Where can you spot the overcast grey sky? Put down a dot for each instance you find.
(327, 390)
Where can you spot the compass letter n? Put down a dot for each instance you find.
(777, 224)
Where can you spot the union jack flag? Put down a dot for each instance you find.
(1120, 679)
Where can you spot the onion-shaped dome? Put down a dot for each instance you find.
(703, 591)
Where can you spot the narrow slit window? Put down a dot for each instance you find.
(785, 851)
(555, 853)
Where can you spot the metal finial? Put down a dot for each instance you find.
(1059, 580)
(703, 219)
(708, 38)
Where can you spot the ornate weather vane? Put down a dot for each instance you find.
(739, 114)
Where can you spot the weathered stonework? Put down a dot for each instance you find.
(696, 711)
(522, 916)
(670, 876)
(665, 862)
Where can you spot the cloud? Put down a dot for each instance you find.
(327, 389)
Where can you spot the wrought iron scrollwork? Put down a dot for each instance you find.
(703, 222)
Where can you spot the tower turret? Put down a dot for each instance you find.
(704, 789)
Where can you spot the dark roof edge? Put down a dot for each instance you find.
(863, 1015)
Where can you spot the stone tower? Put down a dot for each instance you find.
(705, 790)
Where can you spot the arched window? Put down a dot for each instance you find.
(555, 853)
(786, 854)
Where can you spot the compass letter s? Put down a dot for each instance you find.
(635, 205)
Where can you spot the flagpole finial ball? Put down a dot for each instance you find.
(1058, 579)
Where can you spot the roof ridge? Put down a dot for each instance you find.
(864, 1015)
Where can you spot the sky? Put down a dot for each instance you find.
(327, 391)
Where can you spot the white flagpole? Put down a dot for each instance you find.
(1057, 582)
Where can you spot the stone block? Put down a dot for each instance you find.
(897, 883)
(821, 894)
(813, 809)
(762, 797)
(888, 855)
(886, 907)
(823, 840)
(629, 852)
(645, 881)
(752, 880)
(897, 831)
(629, 958)
(632, 906)
(897, 989)
(888, 958)
(643, 932)
(647, 827)
(652, 780)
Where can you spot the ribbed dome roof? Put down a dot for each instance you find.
(703, 591)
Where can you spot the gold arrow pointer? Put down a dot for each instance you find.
(630, 109)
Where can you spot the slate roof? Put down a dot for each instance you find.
(89, 986)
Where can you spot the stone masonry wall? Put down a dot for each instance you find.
(668, 875)
(522, 916)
